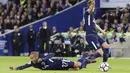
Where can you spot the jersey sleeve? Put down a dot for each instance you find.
(49, 56)
(24, 66)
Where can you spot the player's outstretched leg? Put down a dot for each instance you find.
(88, 61)
(85, 61)
(93, 41)
(96, 54)
(106, 51)
(82, 60)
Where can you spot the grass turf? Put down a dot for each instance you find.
(117, 66)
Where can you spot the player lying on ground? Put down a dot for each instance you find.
(46, 63)
(92, 37)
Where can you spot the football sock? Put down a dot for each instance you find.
(106, 54)
(82, 61)
(96, 55)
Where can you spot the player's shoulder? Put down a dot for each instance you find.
(87, 12)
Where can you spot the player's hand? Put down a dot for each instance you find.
(104, 33)
(11, 68)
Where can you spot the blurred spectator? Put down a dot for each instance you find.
(69, 37)
(22, 12)
(60, 37)
(106, 16)
(125, 14)
(17, 39)
(59, 48)
(54, 30)
(119, 32)
(118, 13)
(58, 7)
(13, 22)
(113, 38)
(122, 39)
(49, 12)
(24, 20)
(44, 37)
(71, 30)
(18, 23)
(7, 23)
(64, 4)
(31, 37)
(53, 7)
(29, 8)
(114, 25)
(81, 30)
(113, 17)
(79, 47)
(39, 16)
(34, 14)
(82, 24)
(30, 19)
(76, 39)
(23, 3)
(1, 30)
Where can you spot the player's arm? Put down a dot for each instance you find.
(22, 67)
(91, 4)
(100, 29)
(49, 56)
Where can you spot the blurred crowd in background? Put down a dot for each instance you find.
(13, 15)
(116, 23)
(22, 12)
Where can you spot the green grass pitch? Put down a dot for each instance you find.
(117, 66)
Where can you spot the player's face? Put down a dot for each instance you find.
(34, 58)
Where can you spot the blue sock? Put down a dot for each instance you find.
(106, 54)
(82, 61)
(84, 64)
(96, 55)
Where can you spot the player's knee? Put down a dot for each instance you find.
(105, 45)
(77, 64)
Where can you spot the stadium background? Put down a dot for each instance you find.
(75, 16)
(71, 16)
(63, 20)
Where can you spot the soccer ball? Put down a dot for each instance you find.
(104, 67)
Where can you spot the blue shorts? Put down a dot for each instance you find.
(95, 41)
(65, 64)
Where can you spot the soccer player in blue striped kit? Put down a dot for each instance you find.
(47, 63)
(93, 39)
